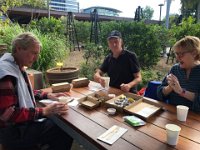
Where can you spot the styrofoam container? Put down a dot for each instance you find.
(111, 111)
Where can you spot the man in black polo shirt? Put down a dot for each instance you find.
(120, 65)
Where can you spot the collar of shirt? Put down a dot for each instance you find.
(122, 53)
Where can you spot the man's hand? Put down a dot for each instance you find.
(125, 87)
(54, 96)
(55, 108)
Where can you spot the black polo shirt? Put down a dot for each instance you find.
(121, 69)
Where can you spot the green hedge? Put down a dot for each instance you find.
(147, 41)
(54, 48)
(138, 37)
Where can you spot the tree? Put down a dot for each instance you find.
(190, 8)
(6, 4)
(148, 13)
(34, 4)
(173, 20)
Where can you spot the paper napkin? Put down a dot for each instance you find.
(112, 134)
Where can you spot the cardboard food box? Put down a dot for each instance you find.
(61, 87)
(143, 108)
(80, 82)
(89, 102)
(102, 97)
(119, 102)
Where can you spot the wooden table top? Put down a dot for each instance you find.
(87, 125)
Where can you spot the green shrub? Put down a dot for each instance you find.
(93, 56)
(54, 47)
(150, 75)
(188, 27)
(141, 39)
(53, 50)
(83, 31)
(47, 26)
(9, 32)
(138, 37)
(88, 70)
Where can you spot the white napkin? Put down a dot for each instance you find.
(47, 101)
(112, 134)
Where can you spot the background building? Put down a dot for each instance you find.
(64, 5)
(106, 11)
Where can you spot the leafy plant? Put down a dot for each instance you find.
(93, 57)
(47, 26)
(138, 37)
(83, 31)
(8, 33)
(54, 47)
(141, 39)
(6, 4)
(53, 50)
(188, 27)
(150, 75)
(92, 52)
(148, 12)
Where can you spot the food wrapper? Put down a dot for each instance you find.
(134, 121)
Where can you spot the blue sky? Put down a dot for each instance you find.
(128, 7)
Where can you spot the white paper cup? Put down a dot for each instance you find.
(182, 112)
(172, 133)
(107, 82)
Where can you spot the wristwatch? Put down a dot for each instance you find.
(183, 92)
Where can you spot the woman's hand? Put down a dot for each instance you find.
(173, 82)
(55, 108)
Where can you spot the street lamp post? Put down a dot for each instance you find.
(160, 12)
(48, 9)
(167, 12)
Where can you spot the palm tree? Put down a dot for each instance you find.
(191, 8)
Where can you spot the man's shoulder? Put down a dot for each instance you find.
(129, 53)
(8, 68)
(7, 80)
(109, 56)
(4, 72)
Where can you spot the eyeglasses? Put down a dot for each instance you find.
(180, 54)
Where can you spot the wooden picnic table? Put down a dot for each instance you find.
(86, 125)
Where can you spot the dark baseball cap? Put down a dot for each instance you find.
(114, 34)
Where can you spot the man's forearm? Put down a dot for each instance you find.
(97, 75)
(135, 82)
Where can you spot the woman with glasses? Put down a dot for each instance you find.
(182, 84)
